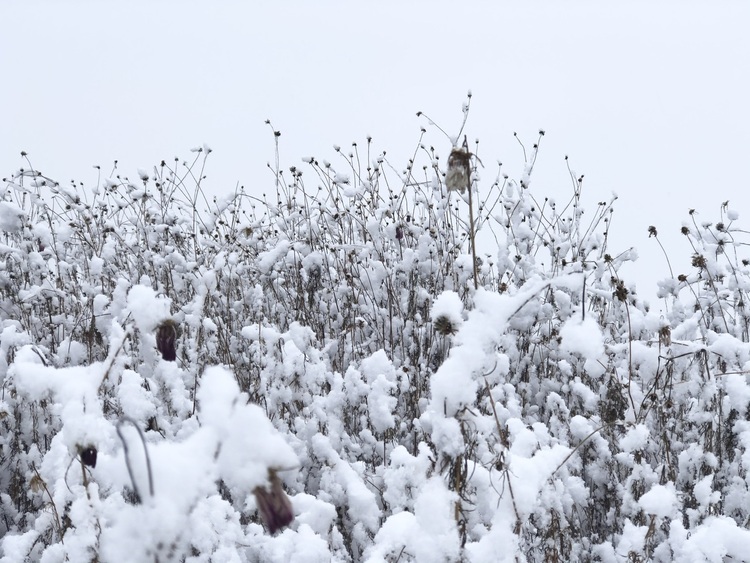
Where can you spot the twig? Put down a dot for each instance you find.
(504, 442)
(51, 501)
(113, 357)
(127, 458)
(574, 450)
(472, 230)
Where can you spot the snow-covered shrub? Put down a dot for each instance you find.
(417, 397)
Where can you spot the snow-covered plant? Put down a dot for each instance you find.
(366, 363)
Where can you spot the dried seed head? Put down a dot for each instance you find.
(665, 336)
(88, 456)
(620, 292)
(445, 326)
(698, 261)
(166, 338)
(274, 506)
(459, 170)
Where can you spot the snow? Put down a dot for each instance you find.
(135, 401)
(660, 501)
(704, 493)
(718, 539)
(583, 337)
(448, 306)
(428, 534)
(268, 259)
(147, 308)
(11, 217)
(636, 438)
(244, 456)
(738, 392)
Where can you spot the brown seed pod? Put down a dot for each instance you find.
(459, 170)
(665, 336)
(166, 338)
(274, 506)
(88, 456)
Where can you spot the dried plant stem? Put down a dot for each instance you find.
(58, 522)
(472, 226)
(127, 457)
(472, 237)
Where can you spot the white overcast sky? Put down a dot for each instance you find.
(650, 100)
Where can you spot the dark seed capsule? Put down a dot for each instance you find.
(88, 456)
(166, 337)
(274, 506)
(445, 326)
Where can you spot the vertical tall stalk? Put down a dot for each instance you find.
(472, 230)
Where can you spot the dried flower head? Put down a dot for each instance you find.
(88, 456)
(459, 170)
(274, 506)
(665, 336)
(445, 326)
(620, 292)
(166, 338)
